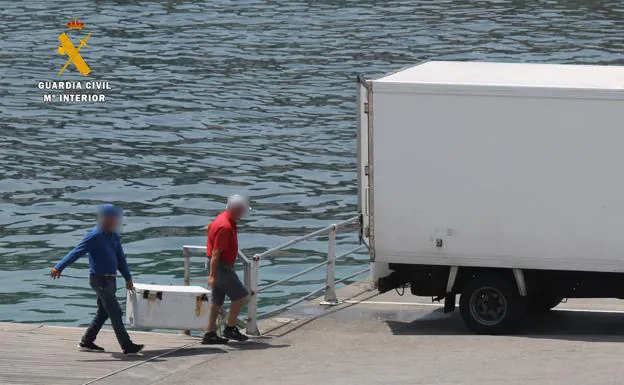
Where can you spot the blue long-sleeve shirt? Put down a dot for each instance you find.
(106, 255)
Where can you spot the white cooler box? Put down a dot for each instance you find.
(168, 307)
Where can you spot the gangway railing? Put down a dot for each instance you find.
(251, 272)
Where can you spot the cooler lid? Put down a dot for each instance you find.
(141, 287)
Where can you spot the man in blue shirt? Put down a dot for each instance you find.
(106, 256)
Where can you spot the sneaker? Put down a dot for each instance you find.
(132, 349)
(233, 333)
(90, 347)
(211, 338)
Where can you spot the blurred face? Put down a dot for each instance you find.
(237, 212)
(109, 223)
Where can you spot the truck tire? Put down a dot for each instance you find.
(491, 304)
(542, 303)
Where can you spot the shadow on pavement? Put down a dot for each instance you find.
(196, 350)
(575, 326)
(558, 324)
(149, 353)
(253, 345)
(434, 323)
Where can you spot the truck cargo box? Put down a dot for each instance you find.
(495, 164)
(168, 307)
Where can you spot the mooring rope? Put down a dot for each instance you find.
(141, 362)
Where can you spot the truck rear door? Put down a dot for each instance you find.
(364, 191)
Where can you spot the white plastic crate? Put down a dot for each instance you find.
(168, 307)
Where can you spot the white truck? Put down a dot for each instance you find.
(502, 183)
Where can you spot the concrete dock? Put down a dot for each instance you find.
(369, 339)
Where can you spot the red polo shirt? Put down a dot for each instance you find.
(222, 235)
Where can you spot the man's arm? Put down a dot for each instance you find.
(71, 257)
(214, 262)
(122, 266)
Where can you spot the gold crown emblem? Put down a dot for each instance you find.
(75, 24)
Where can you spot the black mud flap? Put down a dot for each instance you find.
(449, 303)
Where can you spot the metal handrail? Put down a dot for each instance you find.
(251, 269)
(186, 253)
(311, 294)
(309, 269)
(308, 236)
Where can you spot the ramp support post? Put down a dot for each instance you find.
(251, 327)
(330, 279)
(186, 254)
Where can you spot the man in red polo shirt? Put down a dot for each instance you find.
(222, 250)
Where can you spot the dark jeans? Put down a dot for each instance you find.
(107, 307)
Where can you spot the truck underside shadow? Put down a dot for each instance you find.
(560, 324)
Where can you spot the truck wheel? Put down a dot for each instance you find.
(542, 303)
(492, 305)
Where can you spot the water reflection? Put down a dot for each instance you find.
(211, 98)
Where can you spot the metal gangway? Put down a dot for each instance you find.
(251, 272)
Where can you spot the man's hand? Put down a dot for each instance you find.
(55, 273)
(130, 285)
(211, 281)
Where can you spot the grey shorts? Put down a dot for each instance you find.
(227, 283)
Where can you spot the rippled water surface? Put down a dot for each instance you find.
(214, 97)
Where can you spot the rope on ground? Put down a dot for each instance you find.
(141, 362)
(346, 303)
